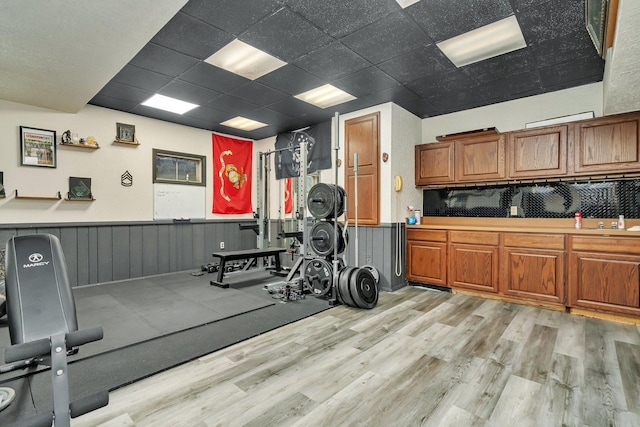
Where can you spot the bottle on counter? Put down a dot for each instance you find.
(578, 221)
(621, 222)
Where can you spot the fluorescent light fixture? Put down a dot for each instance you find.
(169, 104)
(325, 96)
(244, 60)
(406, 3)
(495, 39)
(243, 123)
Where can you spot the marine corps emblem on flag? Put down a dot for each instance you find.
(232, 175)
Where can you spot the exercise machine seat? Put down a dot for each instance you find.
(39, 298)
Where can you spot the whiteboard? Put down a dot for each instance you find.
(173, 201)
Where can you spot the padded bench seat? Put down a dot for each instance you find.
(249, 254)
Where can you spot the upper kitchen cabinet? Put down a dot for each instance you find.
(607, 144)
(480, 158)
(434, 163)
(537, 153)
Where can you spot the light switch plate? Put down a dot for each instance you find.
(514, 211)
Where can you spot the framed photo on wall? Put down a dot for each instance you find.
(80, 188)
(37, 147)
(2, 193)
(125, 133)
(596, 20)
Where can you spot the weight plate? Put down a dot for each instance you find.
(322, 202)
(344, 294)
(364, 290)
(319, 276)
(374, 271)
(322, 234)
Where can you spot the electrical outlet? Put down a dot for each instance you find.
(514, 211)
(221, 245)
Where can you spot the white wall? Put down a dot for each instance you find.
(513, 115)
(104, 166)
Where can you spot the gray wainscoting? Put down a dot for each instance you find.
(105, 252)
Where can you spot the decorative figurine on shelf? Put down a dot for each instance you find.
(66, 137)
(92, 141)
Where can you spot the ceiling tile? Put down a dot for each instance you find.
(285, 35)
(364, 82)
(552, 20)
(450, 82)
(276, 118)
(512, 85)
(299, 109)
(389, 37)
(291, 79)
(209, 115)
(232, 16)
(126, 93)
(231, 104)
(441, 19)
(257, 93)
(339, 17)
(162, 60)
(213, 78)
(573, 70)
(501, 67)
(138, 77)
(191, 36)
(420, 62)
(563, 49)
(185, 91)
(332, 62)
(113, 103)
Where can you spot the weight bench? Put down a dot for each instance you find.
(248, 254)
(42, 323)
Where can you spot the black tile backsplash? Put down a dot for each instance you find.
(605, 199)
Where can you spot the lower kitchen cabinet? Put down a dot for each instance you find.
(604, 274)
(533, 267)
(473, 262)
(427, 256)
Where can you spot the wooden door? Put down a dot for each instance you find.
(427, 256)
(538, 152)
(362, 136)
(434, 163)
(473, 260)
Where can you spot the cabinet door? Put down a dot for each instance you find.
(480, 158)
(608, 144)
(605, 282)
(538, 152)
(473, 267)
(434, 163)
(533, 274)
(427, 262)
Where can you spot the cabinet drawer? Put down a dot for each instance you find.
(427, 235)
(534, 241)
(623, 245)
(475, 237)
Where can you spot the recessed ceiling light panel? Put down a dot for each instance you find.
(169, 104)
(243, 123)
(325, 96)
(244, 60)
(406, 3)
(495, 39)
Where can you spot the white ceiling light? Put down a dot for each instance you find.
(243, 123)
(406, 3)
(325, 96)
(495, 39)
(244, 60)
(169, 104)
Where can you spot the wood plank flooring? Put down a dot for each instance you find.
(419, 358)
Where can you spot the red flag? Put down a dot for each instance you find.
(288, 201)
(231, 175)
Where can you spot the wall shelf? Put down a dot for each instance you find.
(83, 199)
(131, 143)
(85, 146)
(57, 197)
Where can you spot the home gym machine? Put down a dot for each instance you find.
(42, 323)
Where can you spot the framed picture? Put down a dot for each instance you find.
(2, 193)
(125, 133)
(80, 188)
(37, 147)
(596, 20)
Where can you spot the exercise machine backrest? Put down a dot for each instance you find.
(39, 298)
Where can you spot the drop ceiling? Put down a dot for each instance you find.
(372, 49)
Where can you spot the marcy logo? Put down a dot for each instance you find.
(36, 261)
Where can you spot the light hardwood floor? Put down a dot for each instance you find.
(419, 358)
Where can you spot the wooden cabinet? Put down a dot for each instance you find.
(540, 152)
(480, 158)
(434, 163)
(427, 256)
(604, 274)
(473, 260)
(532, 267)
(608, 144)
